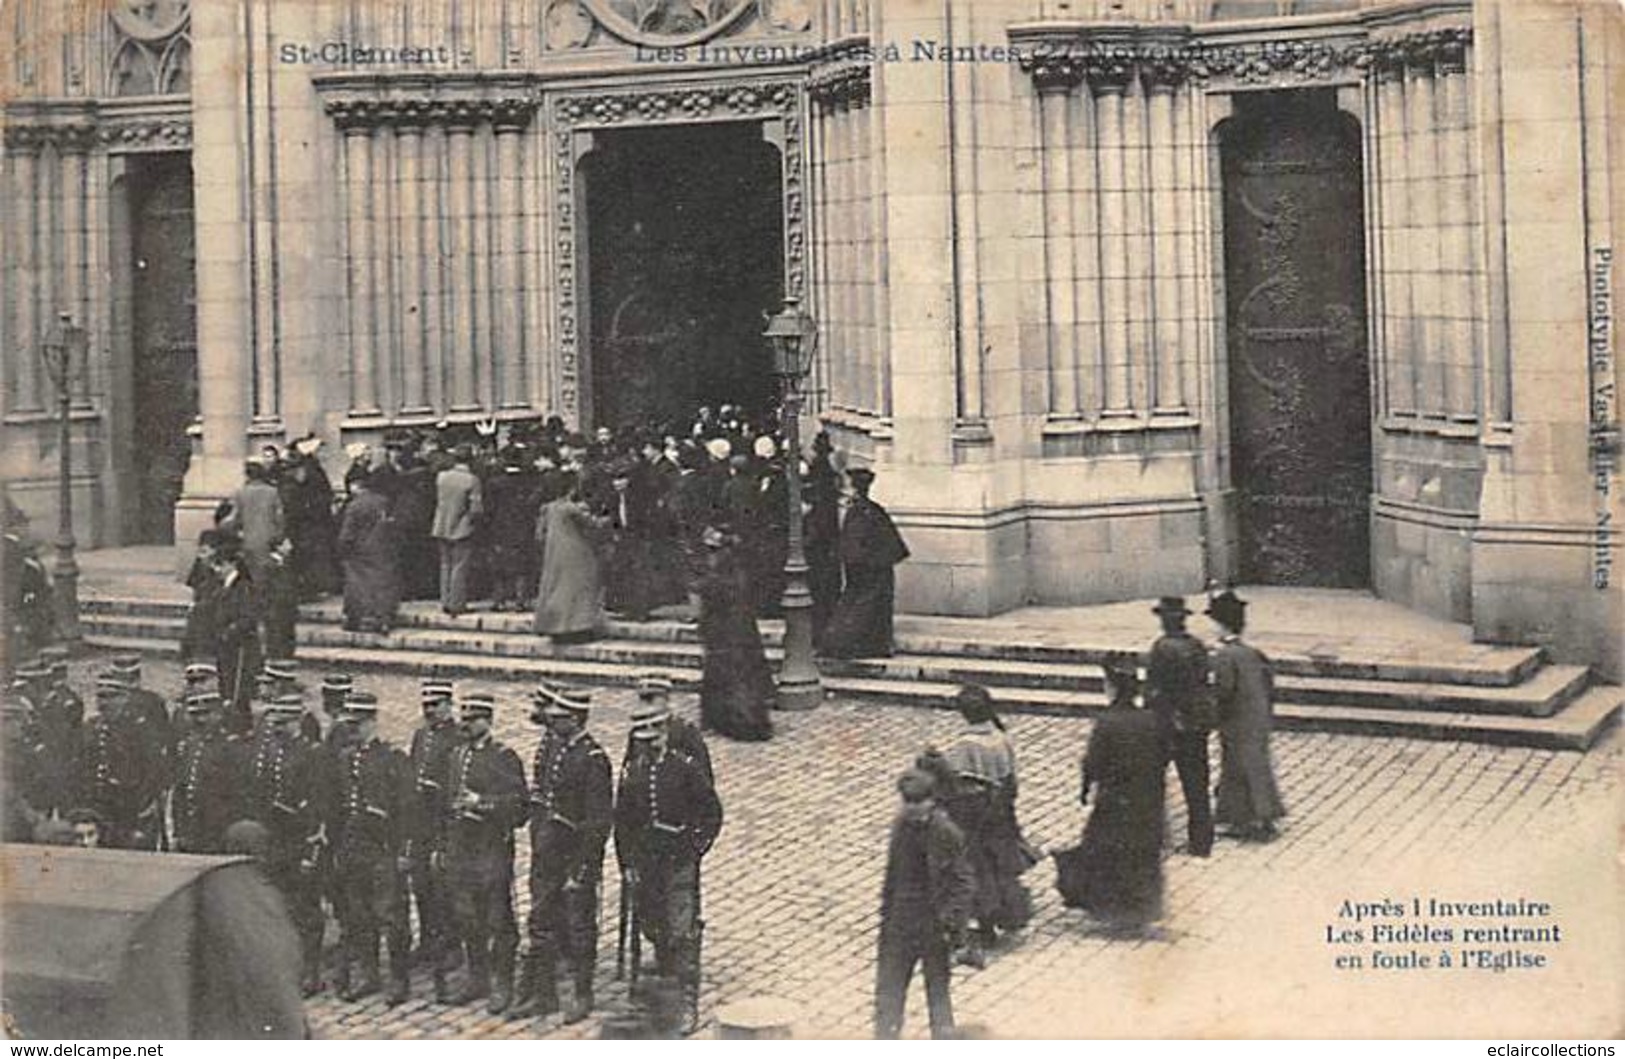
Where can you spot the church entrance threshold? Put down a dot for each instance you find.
(684, 249)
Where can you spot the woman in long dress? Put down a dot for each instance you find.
(1116, 873)
(369, 550)
(736, 688)
(570, 598)
(983, 803)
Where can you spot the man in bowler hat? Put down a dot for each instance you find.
(1177, 692)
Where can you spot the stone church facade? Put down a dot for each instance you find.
(1119, 297)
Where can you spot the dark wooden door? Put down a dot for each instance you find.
(1299, 372)
(164, 290)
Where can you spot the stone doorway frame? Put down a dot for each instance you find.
(779, 103)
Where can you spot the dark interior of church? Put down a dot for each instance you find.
(684, 246)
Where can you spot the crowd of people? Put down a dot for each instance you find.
(355, 830)
(952, 886)
(532, 516)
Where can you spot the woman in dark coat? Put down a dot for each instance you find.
(870, 548)
(369, 547)
(1248, 800)
(736, 690)
(307, 512)
(1116, 873)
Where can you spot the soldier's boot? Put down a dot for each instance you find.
(581, 1001)
(538, 990)
(501, 984)
(688, 982)
(479, 977)
(310, 974)
(367, 960)
(442, 984)
(400, 968)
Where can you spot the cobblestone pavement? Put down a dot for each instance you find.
(791, 889)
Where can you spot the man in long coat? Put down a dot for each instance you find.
(209, 766)
(370, 549)
(1177, 693)
(487, 803)
(121, 770)
(307, 508)
(459, 505)
(255, 512)
(924, 904)
(1248, 799)
(870, 548)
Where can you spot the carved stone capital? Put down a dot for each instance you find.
(684, 104)
(1053, 69)
(845, 85)
(1109, 68)
(1164, 67)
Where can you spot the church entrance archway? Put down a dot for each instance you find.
(684, 257)
(1299, 364)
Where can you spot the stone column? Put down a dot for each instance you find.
(509, 343)
(437, 200)
(1398, 340)
(1061, 241)
(482, 353)
(224, 307)
(1168, 229)
(1458, 262)
(22, 153)
(358, 151)
(410, 219)
(1423, 195)
(384, 297)
(463, 395)
(1108, 75)
(75, 145)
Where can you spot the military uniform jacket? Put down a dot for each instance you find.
(208, 789)
(665, 809)
(372, 814)
(286, 790)
(430, 757)
(121, 772)
(685, 740)
(496, 776)
(571, 800)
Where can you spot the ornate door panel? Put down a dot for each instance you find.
(1300, 406)
(165, 338)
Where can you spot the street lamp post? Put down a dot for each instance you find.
(63, 356)
(793, 334)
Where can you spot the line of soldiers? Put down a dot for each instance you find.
(334, 811)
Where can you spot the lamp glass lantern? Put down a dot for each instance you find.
(791, 333)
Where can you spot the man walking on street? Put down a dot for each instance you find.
(667, 816)
(487, 803)
(571, 811)
(924, 905)
(1177, 692)
(458, 507)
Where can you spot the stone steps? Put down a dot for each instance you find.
(1374, 658)
(1551, 688)
(1548, 706)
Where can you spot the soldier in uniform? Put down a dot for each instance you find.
(209, 763)
(432, 745)
(318, 725)
(571, 812)
(667, 815)
(371, 821)
(682, 737)
(487, 803)
(55, 734)
(285, 798)
(121, 774)
(59, 694)
(17, 764)
(145, 703)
